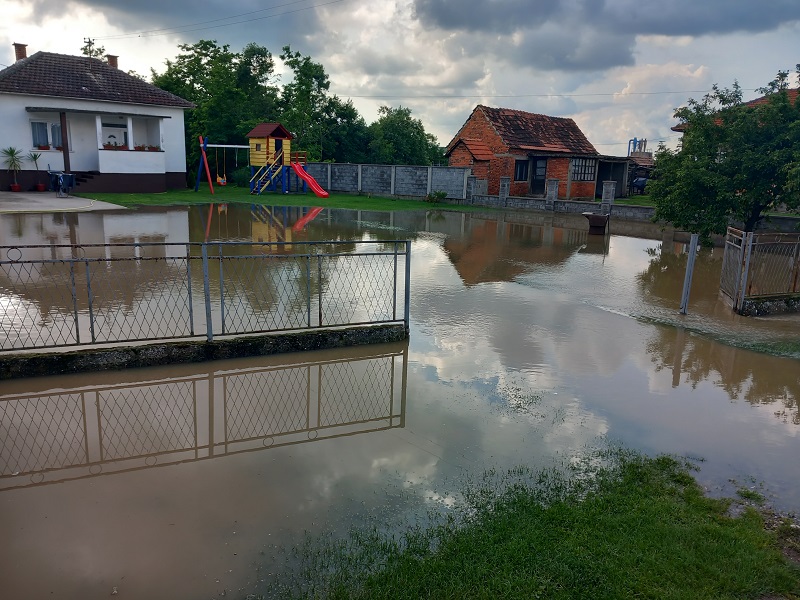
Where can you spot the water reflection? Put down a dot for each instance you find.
(756, 378)
(64, 434)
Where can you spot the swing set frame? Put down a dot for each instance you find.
(204, 166)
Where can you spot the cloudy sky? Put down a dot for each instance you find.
(618, 67)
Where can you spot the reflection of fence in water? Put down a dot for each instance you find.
(67, 295)
(79, 433)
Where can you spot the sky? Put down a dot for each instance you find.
(619, 68)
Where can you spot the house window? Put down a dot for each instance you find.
(521, 170)
(583, 169)
(44, 133)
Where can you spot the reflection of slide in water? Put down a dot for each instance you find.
(310, 216)
(64, 434)
(312, 183)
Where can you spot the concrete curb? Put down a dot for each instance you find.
(16, 366)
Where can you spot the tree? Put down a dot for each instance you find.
(304, 100)
(345, 135)
(232, 91)
(89, 49)
(736, 161)
(398, 138)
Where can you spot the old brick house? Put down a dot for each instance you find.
(530, 149)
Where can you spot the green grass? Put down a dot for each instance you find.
(233, 195)
(641, 528)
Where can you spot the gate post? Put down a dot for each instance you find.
(207, 293)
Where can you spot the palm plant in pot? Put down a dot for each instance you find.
(34, 158)
(12, 157)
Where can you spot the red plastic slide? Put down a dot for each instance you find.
(312, 183)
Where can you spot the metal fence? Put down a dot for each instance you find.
(69, 295)
(65, 434)
(757, 265)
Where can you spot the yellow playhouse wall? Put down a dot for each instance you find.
(259, 158)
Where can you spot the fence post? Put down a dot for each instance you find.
(91, 301)
(74, 301)
(747, 248)
(207, 293)
(189, 287)
(687, 280)
(408, 286)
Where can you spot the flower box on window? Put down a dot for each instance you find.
(43, 147)
(140, 147)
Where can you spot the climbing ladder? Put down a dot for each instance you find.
(265, 177)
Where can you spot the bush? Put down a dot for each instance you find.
(240, 177)
(435, 197)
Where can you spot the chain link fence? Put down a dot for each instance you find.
(69, 295)
(74, 433)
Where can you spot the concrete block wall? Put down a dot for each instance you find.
(390, 180)
(411, 181)
(376, 179)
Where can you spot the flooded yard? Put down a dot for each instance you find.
(531, 343)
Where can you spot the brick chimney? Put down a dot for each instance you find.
(20, 51)
(112, 60)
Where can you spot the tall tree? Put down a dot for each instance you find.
(736, 161)
(231, 90)
(345, 135)
(304, 100)
(399, 138)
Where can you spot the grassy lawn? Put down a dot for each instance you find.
(233, 194)
(641, 528)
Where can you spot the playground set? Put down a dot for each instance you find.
(273, 165)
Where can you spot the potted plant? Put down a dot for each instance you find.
(140, 147)
(12, 157)
(43, 147)
(34, 158)
(154, 148)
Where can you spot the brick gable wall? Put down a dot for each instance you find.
(478, 127)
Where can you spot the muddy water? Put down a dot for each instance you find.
(530, 343)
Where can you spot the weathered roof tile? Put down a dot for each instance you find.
(535, 132)
(65, 76)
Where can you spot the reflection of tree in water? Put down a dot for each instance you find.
(750, 376)
(662, 281)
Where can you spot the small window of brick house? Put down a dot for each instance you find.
(521, 170)
(583, 169)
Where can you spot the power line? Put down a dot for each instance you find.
(588, 94)
(182, 28)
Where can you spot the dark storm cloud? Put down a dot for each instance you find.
(584, 35)
(271, 24)
(674, 17)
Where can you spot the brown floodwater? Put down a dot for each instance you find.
(531, 343)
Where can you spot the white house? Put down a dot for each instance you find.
(114, 131)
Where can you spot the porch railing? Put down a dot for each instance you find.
(72, 295)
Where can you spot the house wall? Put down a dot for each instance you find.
(478, 127)
(15, 130)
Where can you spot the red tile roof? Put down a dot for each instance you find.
(791, 93)
(273, 130)
(478, 149)
(64, 76)
(533, 132)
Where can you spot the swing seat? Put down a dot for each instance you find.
(221, 180)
